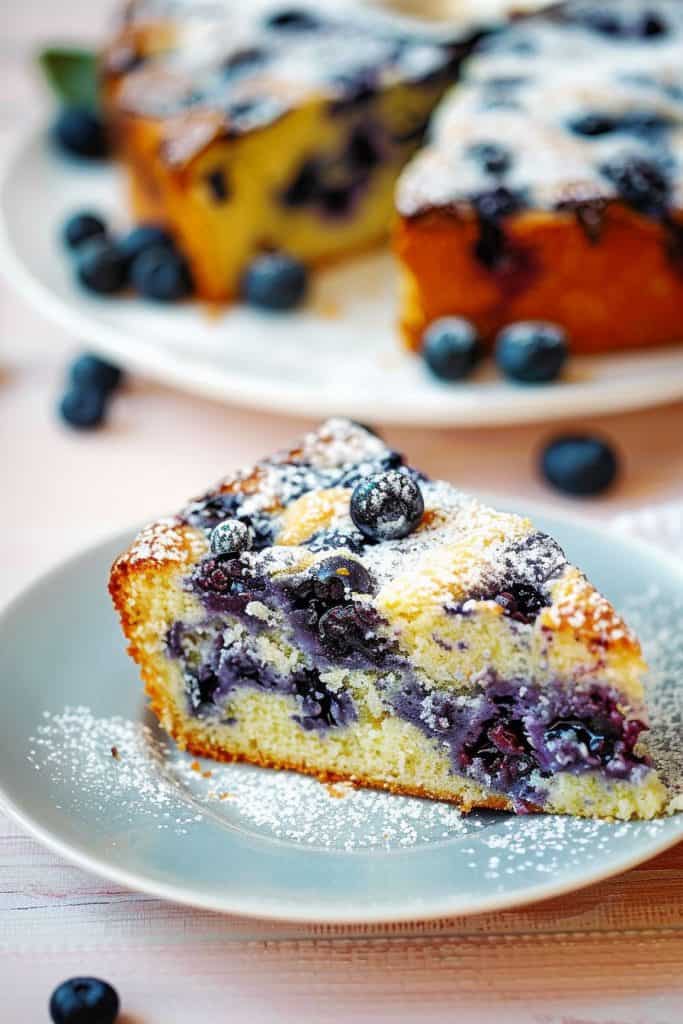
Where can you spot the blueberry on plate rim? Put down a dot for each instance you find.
(81, 133)
(579, 464)
(143, 237)
(82, 227)
(275, 282)
(451, 348)
(84, 1001)
(100, 268)
(161, 274)
(531, 351)
(386, 506)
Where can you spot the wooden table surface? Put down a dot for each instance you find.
(611, 954)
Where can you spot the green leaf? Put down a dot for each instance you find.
(73, 75)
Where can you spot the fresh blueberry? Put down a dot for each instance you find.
(531, 352)
(89, 370)
(276, 282)
(81, 133)
(579, 464)
(84, 1001)
(293, 19)
(387, 506)
(336, 578)
(652, 24)
(143, 237)
(82, 227)
(161, 274)
(451, 348)
(231, 538)
(83, 407)
(100, 267)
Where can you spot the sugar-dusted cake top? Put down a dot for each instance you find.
(568, 109)
(299, 508)
(248, 63)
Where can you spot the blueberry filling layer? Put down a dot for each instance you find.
(511, 736)
(215, 666)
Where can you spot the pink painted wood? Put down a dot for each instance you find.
(611, 954)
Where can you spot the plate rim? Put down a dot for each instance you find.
(260, 909)
(199, 377)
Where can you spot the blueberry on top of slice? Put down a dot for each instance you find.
(82, 227)
(293, 19)
(231, 537)
(387, 506)
(579, 464)
(451, 348)
(80, 133)
(336, 578)
(84, 1001)
(531, 351)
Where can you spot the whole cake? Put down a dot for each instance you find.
(248, 127)
(552, 184)
(333, 611)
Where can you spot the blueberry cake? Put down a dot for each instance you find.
(551, 187)
(248, 128)
(333, 611)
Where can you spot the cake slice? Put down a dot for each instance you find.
(249, 127)
(552, 184)
(333, 611)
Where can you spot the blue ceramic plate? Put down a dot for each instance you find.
(85, 770)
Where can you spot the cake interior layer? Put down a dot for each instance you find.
(251, 694)
(623, 289)
(317, 183)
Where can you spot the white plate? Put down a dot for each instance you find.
(280, 845)
(337, 356)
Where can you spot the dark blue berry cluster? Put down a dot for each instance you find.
(529, 352)
(146, 259)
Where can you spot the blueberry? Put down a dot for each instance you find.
(579, 464)
(276, 282)
(451, 348)
(531, 352)
(652, 24)
(231, 537)
(387, 506)
(83, 407)
(82, 227)
(89, 370)
(100, 267)
(161, 274)
(593, 124)
(336, 578)
(81, 133)
(350, 629)
(143, 237)
(84, 1001)
(293, 19)
(491, 156)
